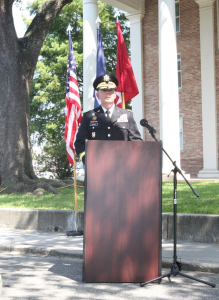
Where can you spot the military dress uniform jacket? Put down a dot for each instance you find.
(94, 126)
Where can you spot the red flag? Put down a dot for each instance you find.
(124, 72)
(73, 114)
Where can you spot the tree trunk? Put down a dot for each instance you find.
(18, 58)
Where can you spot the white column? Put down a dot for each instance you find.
(209, 109)
(90, 14)
(136, 38)
(168, 85)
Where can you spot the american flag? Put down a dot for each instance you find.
(73, 113)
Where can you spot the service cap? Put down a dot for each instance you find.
(105, 82)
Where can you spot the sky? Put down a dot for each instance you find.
(18, 21)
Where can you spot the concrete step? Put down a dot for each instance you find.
(190, 227)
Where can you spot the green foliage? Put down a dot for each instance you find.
(54, 155)
(47, 95)
(109, 34)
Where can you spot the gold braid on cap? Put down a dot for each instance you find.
(106, 85)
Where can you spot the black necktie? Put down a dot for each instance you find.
(108, 116)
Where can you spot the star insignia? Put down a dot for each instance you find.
(106, 78)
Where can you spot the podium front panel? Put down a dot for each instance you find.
(122, 230)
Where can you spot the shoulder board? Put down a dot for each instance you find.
(85, 112)
(129, 110)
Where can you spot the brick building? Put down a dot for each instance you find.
(174, 53)
(189, 61)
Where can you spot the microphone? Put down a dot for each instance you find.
(144, 123)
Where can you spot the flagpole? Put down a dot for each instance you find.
(123, 100)
(75, 185)
(69, 29)
(98, 21)
(117, 14)
(76, 201)
(71, 67)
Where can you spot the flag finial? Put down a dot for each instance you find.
(69, 29)
(98, 21)
(117, 14)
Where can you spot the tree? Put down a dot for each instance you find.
(18, 59)
(47, 96)
(48, 88)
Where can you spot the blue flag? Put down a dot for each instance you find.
(101, 66)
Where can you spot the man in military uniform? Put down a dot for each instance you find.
(106, 122)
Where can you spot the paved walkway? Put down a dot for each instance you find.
(35, 277)
(194, 256)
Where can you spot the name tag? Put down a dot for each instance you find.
(93, 123)
(122, 118)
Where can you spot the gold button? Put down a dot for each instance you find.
(92, 127)
(123, 126)
(109, 134)
(108, 127)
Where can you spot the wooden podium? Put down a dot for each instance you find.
(122, 231)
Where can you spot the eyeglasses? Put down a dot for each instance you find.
(110, 91)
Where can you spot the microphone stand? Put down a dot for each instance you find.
(176, 266)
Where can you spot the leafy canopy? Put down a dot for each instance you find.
(47, 96)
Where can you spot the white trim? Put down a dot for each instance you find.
(90, 15)
(168, 84)
(217, 8)
(209, 101)
(128, 6)
(136, 38)
(179, 71)
(181, 131)
(204, 3)
(177, 17)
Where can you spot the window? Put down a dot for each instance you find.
(181, 132)
(177, 16)
(179, 71)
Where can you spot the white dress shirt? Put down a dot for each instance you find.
(110, 110)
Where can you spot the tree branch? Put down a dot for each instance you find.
(31, 43)
(6, 19)
(5, 5)
(39, 27)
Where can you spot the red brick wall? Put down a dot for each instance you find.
(151, 66)
(190, 104)
(188, 45)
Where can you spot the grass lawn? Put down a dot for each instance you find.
(187, 202)
(65, 200)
